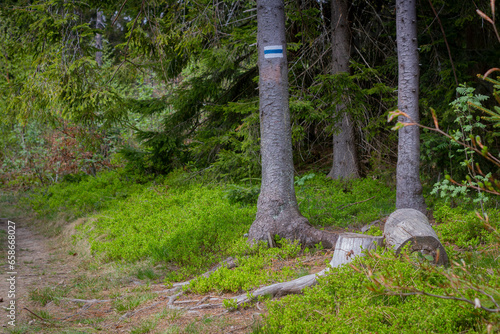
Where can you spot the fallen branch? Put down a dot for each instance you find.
(228, 263)
(476, 302)
(280, 289)
(36, 315)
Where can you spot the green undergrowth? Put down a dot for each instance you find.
(256, 265)
(376, 294)
(348, 301)
(350, 203)
(187, 227)
(464, 228)
(191, 227)
(78, 196)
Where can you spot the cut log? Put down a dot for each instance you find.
(411, 226)
(351, 245)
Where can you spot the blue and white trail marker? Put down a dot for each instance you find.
(273, 51)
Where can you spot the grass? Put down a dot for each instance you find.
(131, 302)
(43, 296)
(146, 273)
(150, 324)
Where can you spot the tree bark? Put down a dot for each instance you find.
(408, 186)
(277, 208)
(351, 245)
(411, 226)
(345, 160)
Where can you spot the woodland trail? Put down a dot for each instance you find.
(60, 290)
(36, 266)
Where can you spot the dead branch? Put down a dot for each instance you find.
(280, 289)
(36, 315)
(419, 292)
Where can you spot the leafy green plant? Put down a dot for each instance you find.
(463, 228)
(81, 198)
(255, 267)
(375, 231)
(346, 301)
(230, 304)
(191, 226)
(327, 202)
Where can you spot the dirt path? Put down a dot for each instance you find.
(59, 291)
(36, 267)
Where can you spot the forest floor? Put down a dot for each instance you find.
(60, 289)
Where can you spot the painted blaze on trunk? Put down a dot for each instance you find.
(277, 208)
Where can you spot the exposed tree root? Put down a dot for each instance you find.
(290, 224)
(172, 298)
(229, 263)
(280, 289)
(87, 301)
(199, 307)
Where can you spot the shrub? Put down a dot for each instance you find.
(346, 301)
(461, 227)
(80, 196)
(192, 226)
(328, 202)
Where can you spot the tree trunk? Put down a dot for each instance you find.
(277, 208)
(345, 160)
(408, 186)
(98, 38)
(411, 226)
(351, 245)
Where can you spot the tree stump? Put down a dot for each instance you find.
(350, 245)
(411, 226)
